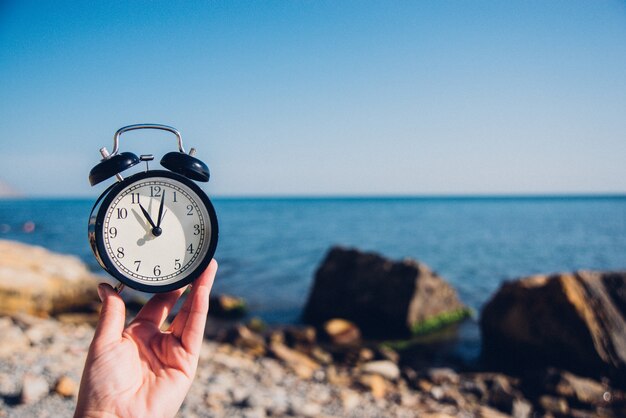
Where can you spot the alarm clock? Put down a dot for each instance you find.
(156, 230)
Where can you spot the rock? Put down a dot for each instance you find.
(486, 412)
(366, 354)
(474, 388)
(303, 336)
(254, 413)
(300, 363)
(574, 321)
(384, 368)
(342, 332)
(257, 325)
(336, 377)
(437, 392)
(349, 399)
(375, 383)
(388, 353)
(554, 405)
(36, 281)
(34, 388)
(308, 409)
(583, 390)
(383, 298)
(443, 375)
(522, 409)
(228, 307)
(13, 338)
(502, 394)
(242, 337)
(321, 356)
(66, 387)
(424, 385)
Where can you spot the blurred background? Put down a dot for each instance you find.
(484, 138)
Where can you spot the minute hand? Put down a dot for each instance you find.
(147, 215)
(161, 210)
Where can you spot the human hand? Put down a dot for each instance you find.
(143, 371)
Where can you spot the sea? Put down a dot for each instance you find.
(269, 248)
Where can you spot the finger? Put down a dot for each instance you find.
(159, 307)
(112, 316)
(181, 317)
(193, 331)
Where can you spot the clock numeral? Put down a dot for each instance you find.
(155, 191)
(137, 263)
(120, 252)
(175, 198)
(157, 270)
(189, 210)
(190, 249)
(177, 264)
(135, 197)
(122, 213)
(196, 229)
(113, 232)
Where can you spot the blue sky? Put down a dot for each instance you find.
(321, 98)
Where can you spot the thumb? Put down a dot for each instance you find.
(112, 316)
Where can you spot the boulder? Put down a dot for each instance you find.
(384, 298)
(36, 281)
(575, 321)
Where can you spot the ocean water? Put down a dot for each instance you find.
(269, 248)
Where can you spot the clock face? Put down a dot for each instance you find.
(157, 231)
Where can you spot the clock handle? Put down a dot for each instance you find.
(116, 137)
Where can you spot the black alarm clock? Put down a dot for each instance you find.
(156, 230)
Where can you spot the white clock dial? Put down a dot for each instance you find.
(150, 250)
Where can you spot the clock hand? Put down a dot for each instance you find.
(160, 218)
(147, 215)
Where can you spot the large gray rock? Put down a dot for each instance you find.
(36, 281)
(576, 321)
(384, 298)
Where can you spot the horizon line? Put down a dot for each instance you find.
(425, 196)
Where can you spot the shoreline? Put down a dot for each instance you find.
(235, 379)
(336, 356)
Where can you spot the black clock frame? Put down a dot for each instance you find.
(96, 238)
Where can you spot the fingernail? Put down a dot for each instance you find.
(101, 292)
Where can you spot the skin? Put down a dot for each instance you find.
(141, 370)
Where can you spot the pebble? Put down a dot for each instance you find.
(66, 386)
(34, 388)
(385, 368)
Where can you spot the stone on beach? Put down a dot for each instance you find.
(226, 306)
(383, 298)
(576, 321)
(36, 281)
(66, 386)
(384, 368)
(342, 332)
(34, 388)
(300, 363)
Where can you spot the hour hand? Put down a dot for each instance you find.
(147, 215)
